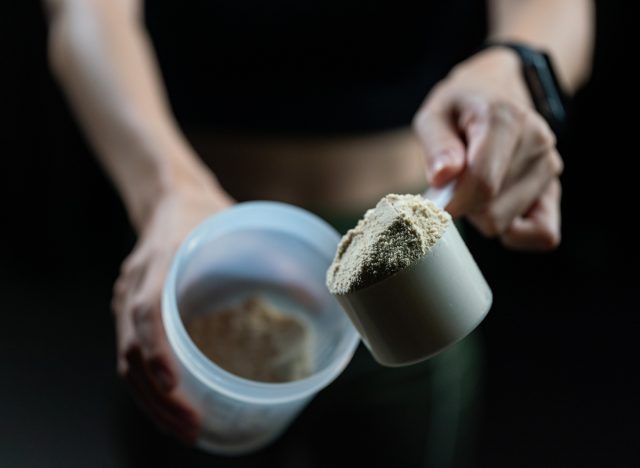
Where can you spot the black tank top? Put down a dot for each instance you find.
(323, 66)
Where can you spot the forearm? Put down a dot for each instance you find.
(565, 28)
(104, 63)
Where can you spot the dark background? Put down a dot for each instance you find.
(559, 387)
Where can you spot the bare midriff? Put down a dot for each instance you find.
(343, 174)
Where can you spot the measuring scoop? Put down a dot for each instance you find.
(425, 308)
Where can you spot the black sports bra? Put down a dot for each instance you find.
(298, 66)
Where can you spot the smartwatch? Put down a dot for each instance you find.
(542, 82)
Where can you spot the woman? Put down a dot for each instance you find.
(311, 105)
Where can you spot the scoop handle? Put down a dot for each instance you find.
(441, 196)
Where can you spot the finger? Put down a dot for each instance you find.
(155, 350)
(119, 295)
(518, 198)
(492, 132)
(180, 422)
(125, 340)
(173, 404)
(147, 320)
(537, 140)
(127, 283)
(444, 149)
(539, 229)
(123, 292)
(160, 416)
(135, 260)
(169, 412)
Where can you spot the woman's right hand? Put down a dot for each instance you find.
(145, 359)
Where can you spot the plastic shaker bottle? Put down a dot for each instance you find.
(272, 250)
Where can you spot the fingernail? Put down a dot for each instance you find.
(441, 161)
(437, 166)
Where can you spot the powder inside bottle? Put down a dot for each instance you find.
(255, 340)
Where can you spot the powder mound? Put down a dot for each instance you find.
(394, 235)
(255, 340)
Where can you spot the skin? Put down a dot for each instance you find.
(477, 126)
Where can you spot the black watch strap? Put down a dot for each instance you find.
(542, 82)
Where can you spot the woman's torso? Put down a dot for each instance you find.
(338, 175)
(309, 102)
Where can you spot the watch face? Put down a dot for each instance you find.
(551, 84)
(544, 87)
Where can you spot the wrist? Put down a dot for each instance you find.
(179, 175)
(502, 68)
(543, 86)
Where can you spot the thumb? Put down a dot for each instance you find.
(444, 149)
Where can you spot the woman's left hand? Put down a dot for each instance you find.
(479, 127)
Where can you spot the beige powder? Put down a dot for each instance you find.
(254, 340)
(392, 236)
